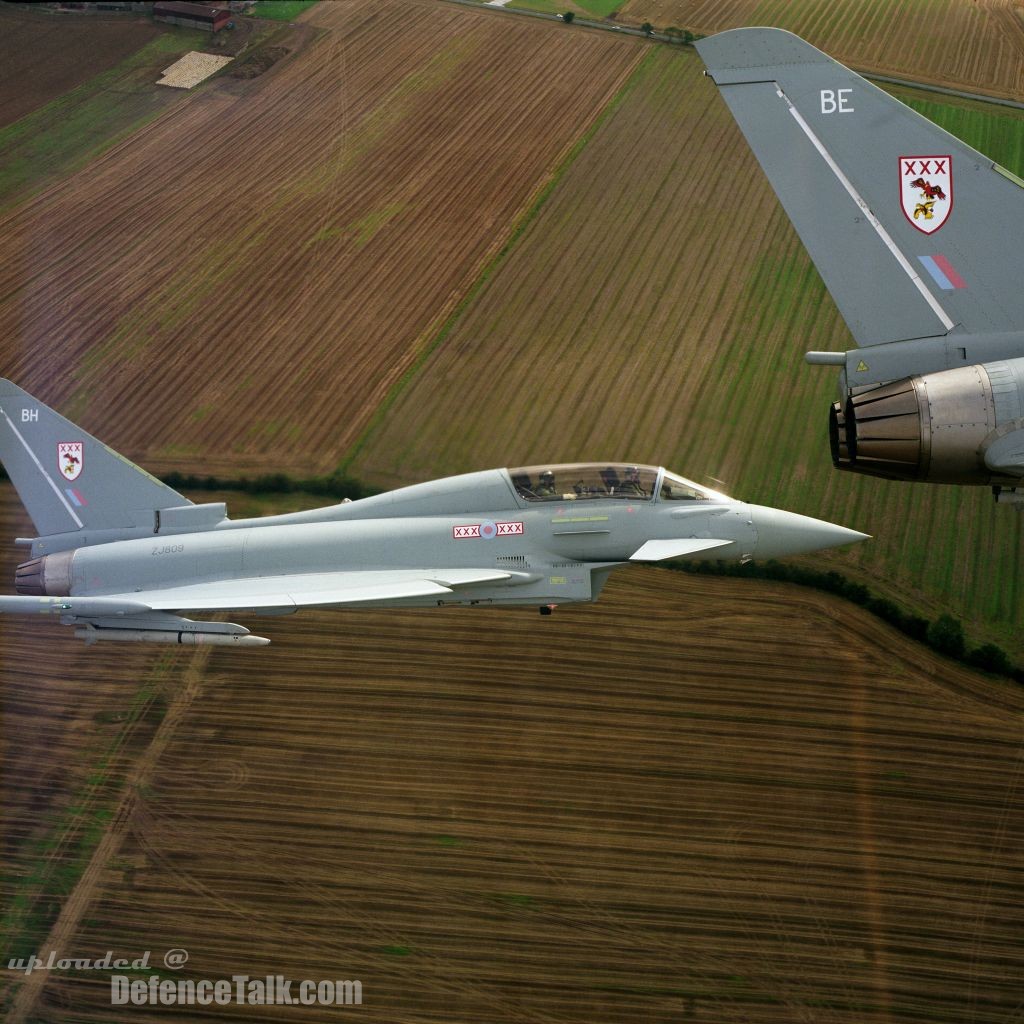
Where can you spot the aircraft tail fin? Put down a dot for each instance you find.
(68, 480)
(915, 233)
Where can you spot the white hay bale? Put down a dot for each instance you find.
(192, 69)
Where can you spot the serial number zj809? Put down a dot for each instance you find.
(168, 549)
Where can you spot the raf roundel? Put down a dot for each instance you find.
(487, 530)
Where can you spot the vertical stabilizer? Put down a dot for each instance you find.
(66, 479)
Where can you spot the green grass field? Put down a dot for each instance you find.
(282, 10)
(600, 8)
(657, 308)
(54, 141)
(996, 131)
(544, 6)
(581, 8)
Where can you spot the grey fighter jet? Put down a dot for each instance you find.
(918, 238)
(119, 553)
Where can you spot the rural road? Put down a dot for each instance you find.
(662, 38)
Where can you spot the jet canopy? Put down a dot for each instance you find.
(581, 481)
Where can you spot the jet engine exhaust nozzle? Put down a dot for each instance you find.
(935, 427)
(47, 575)
(879, 432)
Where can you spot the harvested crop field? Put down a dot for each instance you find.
(320, 221)
(657, 308)
(961, 43)
(46, 55)
(73, 725)
(46, 146)
(697, 798)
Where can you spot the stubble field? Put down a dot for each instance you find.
(697, 799)
(262, 299)
(647, 808)
(657, 308)
(960, 43)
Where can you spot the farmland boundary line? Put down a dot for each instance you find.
(490, 267)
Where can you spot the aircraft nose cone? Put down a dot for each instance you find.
(786, 533)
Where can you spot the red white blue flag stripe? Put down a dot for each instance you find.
(942, 272)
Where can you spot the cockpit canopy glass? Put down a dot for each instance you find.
(585, 480)
(678, 488)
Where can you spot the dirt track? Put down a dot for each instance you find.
(44, 56)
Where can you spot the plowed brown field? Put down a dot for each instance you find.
(249, 273)
(970, 44)
(698, 799)
(695, 799)
(46, 55)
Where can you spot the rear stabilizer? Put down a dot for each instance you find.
(915, 234)
(68, 480)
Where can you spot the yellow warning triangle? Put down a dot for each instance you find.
(862, 367)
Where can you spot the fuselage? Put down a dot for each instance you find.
(550, 545)
(557, 547)
(544, 535)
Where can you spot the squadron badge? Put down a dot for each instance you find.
(926, 190)
(69, 459)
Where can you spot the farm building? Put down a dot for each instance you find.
(212, 19)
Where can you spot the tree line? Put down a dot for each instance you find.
(944, 634)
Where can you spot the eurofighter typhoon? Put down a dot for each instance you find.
(918, 237)
(119, 554)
